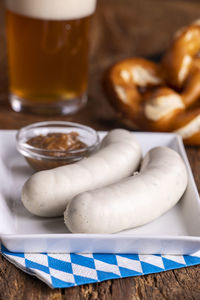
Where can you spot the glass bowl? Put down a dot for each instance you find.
(43, 159)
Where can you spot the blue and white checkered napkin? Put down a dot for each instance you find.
(67, 270)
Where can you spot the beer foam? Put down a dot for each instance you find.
(52, 9)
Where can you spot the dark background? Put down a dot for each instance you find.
(121, 28)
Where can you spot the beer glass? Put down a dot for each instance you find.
(48, 54)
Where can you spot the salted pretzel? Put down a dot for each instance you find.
(178, 60)
(161, 97)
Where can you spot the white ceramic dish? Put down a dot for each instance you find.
(176, 232)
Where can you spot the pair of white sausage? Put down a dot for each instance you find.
(47, 193)
(135, 200)
(94, 208)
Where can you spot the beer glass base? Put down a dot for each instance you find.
(64, 107)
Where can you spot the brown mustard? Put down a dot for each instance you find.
(54, 143)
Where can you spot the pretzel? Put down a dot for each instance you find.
(178, 59)
(161, 97)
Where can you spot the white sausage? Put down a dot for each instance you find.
(47, 193)
(135, 200)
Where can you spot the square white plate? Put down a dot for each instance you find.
(176, 232)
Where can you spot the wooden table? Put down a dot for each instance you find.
(121, 28)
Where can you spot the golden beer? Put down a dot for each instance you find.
(48, 54)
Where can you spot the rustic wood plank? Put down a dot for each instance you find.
(121, 28)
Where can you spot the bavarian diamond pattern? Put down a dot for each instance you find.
(67, 270)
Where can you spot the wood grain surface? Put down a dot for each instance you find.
(121, 28)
